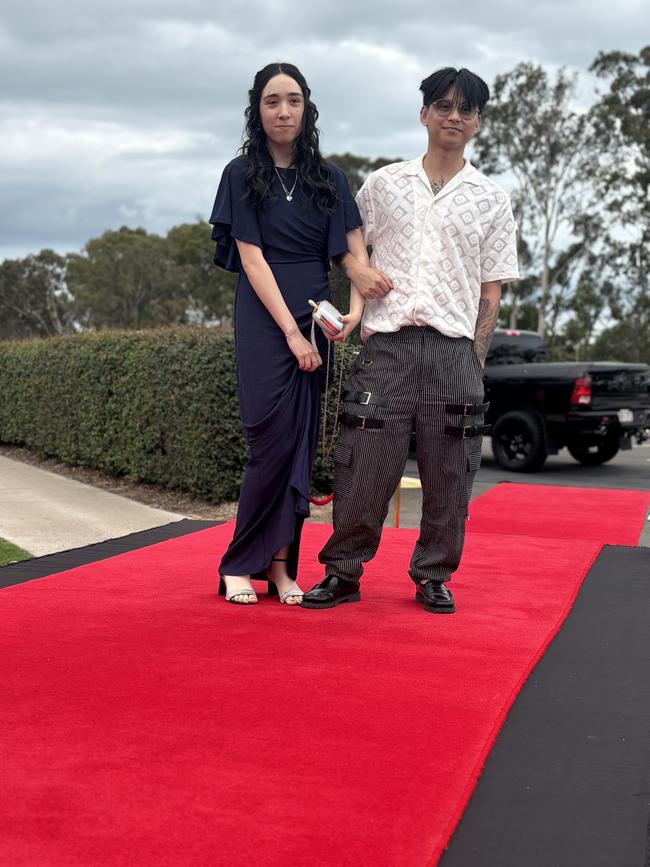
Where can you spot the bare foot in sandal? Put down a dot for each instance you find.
(288, 590)
(237, 589)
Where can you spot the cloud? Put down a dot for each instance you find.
(126, 112)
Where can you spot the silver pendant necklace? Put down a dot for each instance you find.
(288, 193)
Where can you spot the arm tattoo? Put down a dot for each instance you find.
(486, 322)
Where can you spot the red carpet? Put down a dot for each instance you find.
(145, 722)
(606, 516)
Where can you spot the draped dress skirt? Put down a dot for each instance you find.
(279, 403)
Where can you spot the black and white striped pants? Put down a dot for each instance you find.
(422, 376)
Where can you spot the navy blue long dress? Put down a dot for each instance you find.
(279, 403)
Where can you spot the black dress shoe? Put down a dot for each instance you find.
(435, 598)
(330, 592)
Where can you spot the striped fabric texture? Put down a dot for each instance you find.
(420, 373)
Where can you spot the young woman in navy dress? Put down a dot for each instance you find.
(280, 214)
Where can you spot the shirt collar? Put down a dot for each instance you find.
(468, 174)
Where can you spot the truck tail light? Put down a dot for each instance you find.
(581, 394)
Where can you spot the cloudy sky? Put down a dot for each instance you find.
(124, 112)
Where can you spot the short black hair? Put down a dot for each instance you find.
(472, 88)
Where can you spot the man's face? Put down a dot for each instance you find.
(450, 121)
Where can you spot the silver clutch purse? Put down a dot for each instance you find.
(328, 317)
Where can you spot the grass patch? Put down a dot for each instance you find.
(11, 553)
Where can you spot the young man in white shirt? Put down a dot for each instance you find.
(443, 242)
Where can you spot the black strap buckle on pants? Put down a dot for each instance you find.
(467, 408)
(364, 398)
(359, 422)
(466, 432)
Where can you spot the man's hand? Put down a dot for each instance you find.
(370, 282)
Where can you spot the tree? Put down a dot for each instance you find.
(210, 290)
(357, 169)
(519, 308)
(622, 120)
(34, 298)
(126, 279)
(591, 289)
(621, 342)
(530, 131)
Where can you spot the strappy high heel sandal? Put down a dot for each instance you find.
(292, 591)
(244, 591)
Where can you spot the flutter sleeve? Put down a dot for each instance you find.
(233, 217)
(346, 216)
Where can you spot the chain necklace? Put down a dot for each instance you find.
(436, 186)
(288, 193)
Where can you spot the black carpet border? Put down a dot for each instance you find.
(567, 782)
(61, 561)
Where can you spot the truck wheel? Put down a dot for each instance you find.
(518, 441)
(593, 453)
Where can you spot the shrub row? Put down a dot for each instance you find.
(159, 406)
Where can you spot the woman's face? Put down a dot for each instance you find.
(282, 107)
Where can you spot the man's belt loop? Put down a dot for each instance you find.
(467, 432)
(364, 398)
(360, 422)
(467, 408)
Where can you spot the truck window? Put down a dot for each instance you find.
(516, 348)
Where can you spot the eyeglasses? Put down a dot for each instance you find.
(444, 108)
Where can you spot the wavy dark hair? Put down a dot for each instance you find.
(313, 172)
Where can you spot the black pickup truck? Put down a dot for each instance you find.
(537, 407)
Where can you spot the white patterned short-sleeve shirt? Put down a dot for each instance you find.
(437, 249)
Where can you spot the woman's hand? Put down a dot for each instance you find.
(307, 357)
(350, 322)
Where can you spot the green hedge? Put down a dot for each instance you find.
(159, 406)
